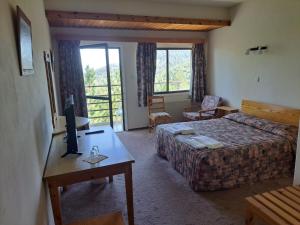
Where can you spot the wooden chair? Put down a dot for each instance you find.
(156, 112)
(206, 110)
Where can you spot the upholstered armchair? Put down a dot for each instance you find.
(206, 110)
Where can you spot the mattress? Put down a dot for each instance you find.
(253, 150)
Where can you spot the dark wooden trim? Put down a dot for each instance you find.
(54, 14)
(127, 39)
(119, 21)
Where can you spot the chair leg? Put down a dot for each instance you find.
(153, 125)
(185, 119)
(249, 217)
(150, 125)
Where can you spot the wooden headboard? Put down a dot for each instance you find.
(271, 112)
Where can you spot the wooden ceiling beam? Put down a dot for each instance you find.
(87, 37)
(117, 21)
(53, 14)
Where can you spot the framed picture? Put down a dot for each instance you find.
(25, 43)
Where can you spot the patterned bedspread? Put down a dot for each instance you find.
(253, 150)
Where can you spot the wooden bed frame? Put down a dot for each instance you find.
(271, 112)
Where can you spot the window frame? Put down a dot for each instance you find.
(167, 71)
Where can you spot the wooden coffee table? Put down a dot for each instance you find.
(277, 207)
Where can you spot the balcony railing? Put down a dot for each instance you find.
(98, 103)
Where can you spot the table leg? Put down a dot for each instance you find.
(129, 194)
(249, 217)
(110, 179)
(55, 202)
(65, 188)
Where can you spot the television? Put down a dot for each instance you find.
(71, 135)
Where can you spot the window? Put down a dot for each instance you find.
(173, 70)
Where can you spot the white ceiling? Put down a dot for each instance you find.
(218, 3)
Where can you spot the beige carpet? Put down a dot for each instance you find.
(161, 195)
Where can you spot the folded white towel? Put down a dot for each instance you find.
(180, 129)
(208, 142)
(187, 140)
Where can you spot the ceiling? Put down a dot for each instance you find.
(217, 3)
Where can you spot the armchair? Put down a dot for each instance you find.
(206, 110)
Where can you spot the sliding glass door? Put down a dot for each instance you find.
(103, 85)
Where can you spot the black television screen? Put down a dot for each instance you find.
(72, 145)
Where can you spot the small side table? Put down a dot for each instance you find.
(277, 207)
(225, 110)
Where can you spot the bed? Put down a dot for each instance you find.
(259, 143)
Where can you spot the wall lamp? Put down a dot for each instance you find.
(257, 50)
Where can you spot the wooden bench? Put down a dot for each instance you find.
(281, 206)
(110, 219)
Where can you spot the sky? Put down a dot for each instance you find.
(95, 58)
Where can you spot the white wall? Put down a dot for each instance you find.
(25, 125)
(137, 7)
(233, 75)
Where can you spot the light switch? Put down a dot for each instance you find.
(258, 79)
